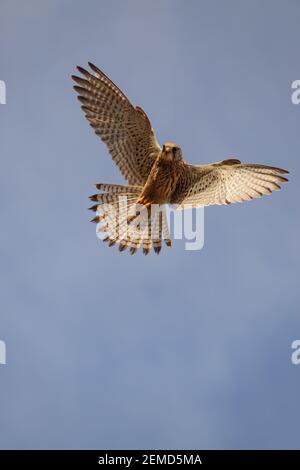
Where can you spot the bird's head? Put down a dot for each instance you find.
(171, 151)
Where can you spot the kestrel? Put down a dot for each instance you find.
(156, 176)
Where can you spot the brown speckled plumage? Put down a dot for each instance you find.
(155, 175)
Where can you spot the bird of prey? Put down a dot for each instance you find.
(156, 175)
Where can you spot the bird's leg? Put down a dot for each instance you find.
(146, 205)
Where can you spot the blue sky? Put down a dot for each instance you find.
(188, 349)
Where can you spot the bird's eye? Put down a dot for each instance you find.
(174, 150)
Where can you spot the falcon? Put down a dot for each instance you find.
(156, 175)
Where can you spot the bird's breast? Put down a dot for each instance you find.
(160, 185)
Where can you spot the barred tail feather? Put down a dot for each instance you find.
(144, 230)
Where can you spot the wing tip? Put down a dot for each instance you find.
(82, 70)
(94, 67)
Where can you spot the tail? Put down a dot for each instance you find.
(126, 223)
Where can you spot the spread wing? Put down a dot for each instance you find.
(125, 130)
(226, 182)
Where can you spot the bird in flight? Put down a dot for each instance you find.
(156, 175)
